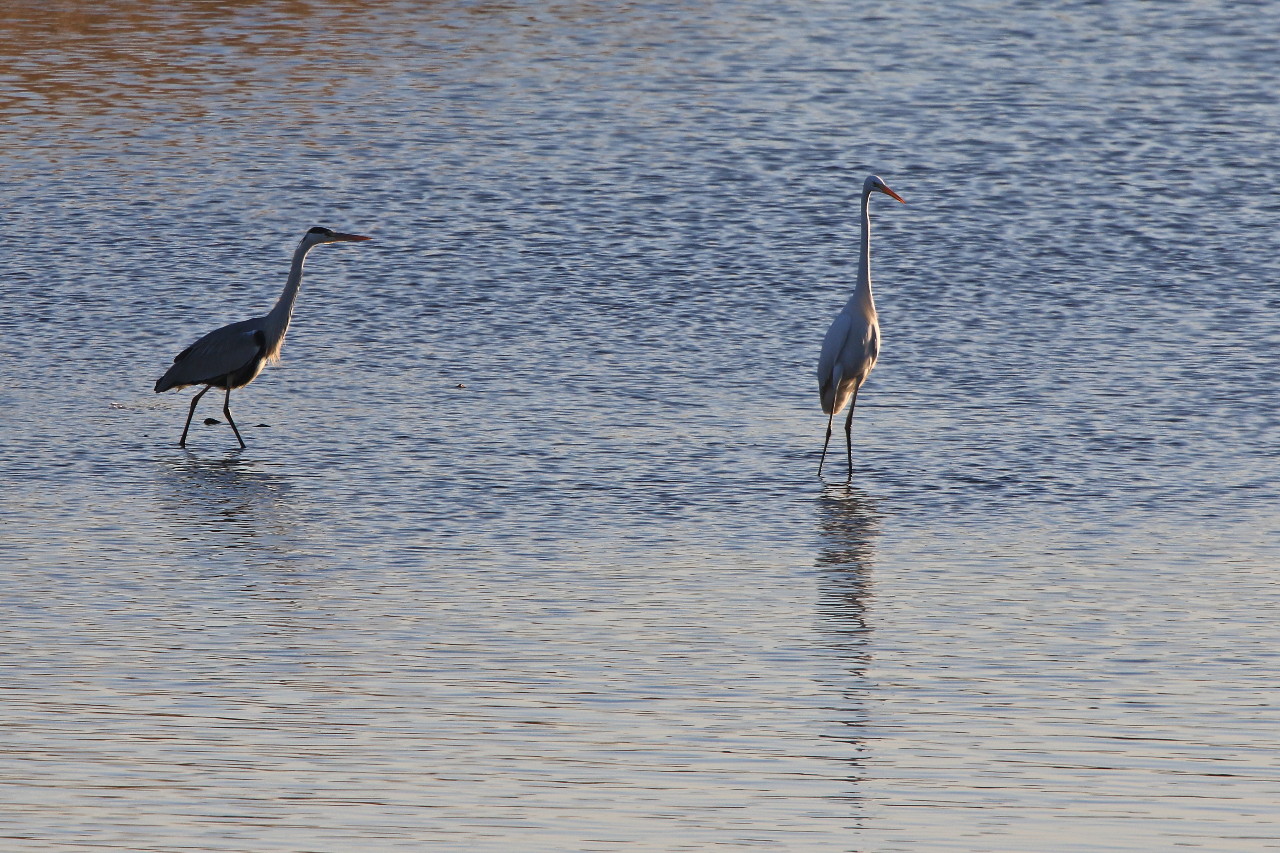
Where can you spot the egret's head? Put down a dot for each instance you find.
(320, 234)
(873, 184)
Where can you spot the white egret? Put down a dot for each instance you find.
(852, 344)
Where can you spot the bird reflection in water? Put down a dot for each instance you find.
(226, 495)
(848, 525)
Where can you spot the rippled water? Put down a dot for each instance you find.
(527, 550)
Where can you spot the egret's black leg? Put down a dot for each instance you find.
(226, 410)
(825, 442)
(182, 442)
(848, 432)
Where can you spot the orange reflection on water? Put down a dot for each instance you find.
(69, 59)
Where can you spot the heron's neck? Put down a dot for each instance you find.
(862, 298)
(278, 319)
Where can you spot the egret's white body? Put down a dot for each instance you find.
(234, 355)
(852, 344)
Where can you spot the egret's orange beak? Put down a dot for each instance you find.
(354, 238)
(891, 193)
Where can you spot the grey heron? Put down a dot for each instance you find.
(234, 355)
(852, 343)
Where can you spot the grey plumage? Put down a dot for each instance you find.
(228, 357)
(234, 355)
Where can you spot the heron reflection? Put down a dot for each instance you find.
(226, 494)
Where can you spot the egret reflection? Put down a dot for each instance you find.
(848, 524)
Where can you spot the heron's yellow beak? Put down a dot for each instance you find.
(891, 194)
(353, 238)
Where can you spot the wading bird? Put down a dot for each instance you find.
(852, 344)
(233, 356)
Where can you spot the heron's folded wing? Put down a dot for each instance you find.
(218, 353)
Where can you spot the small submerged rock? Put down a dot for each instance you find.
(211, 421)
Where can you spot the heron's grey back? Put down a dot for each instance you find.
(223, 351)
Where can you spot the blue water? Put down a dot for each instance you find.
(527, 550)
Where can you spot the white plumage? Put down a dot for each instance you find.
(852, 343)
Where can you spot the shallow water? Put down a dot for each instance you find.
(596, 597)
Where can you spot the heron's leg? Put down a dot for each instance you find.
(182, 442)
(848, 431)
(825, 442)
(226, 410)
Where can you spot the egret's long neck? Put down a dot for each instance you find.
(862, 295)
(277, 322)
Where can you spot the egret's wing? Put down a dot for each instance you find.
(849, 351)
(830, 370)
(871, 346)
(218, 353)
(832, 345)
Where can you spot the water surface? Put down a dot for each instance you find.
(527, 549)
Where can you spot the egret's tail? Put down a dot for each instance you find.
(827, 394)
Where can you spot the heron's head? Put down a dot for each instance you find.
(873, 184)
(320, 234)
